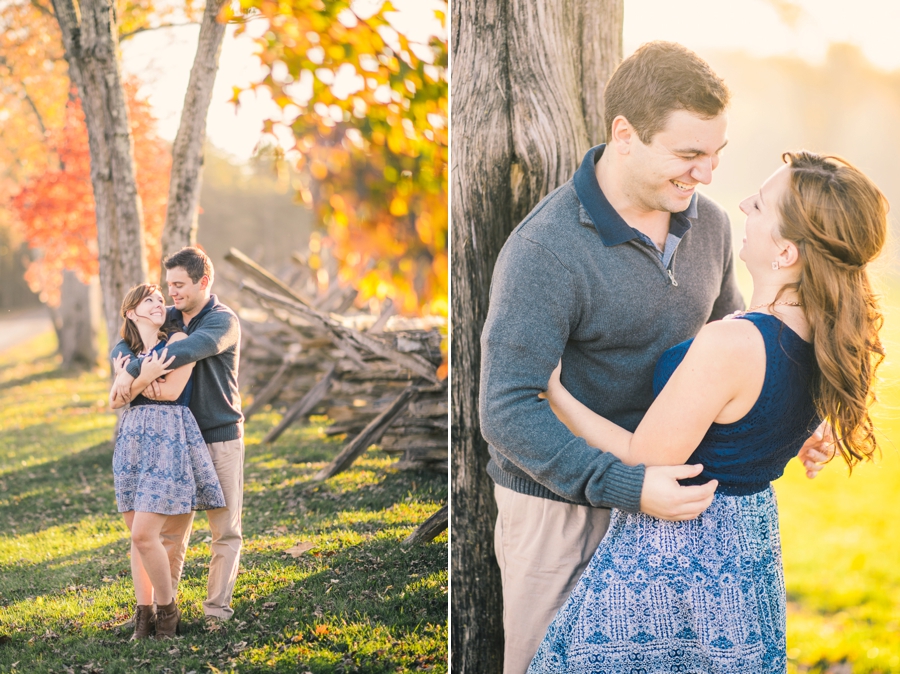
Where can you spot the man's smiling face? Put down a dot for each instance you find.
(187, 296)
(665, 172)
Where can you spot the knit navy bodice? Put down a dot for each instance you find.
(746, 455)
(183, 399)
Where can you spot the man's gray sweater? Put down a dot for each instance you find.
(575, 282)
(214, 346)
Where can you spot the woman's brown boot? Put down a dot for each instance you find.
(167, 619)
(143, 618)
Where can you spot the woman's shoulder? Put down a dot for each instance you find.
(176, 337)
(734, 343)
(729, 331)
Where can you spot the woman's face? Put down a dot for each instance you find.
(762, 242)
(151, 309)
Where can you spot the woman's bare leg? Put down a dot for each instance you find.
(145, 536)
(143, 588)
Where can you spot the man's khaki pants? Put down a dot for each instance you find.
(542, 547)
(224, 525)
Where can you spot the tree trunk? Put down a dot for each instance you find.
(187, 153)
(528, 79)
(92, 51)
(75, 321)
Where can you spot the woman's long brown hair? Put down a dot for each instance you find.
(838, 219)
(129, 331)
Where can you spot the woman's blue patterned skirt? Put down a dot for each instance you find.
(161, 463)
(704, 596)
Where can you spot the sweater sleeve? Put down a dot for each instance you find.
(729, 299)
(217, 332)
(121, 348)
(534, 307)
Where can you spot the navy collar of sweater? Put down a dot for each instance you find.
(613, 230)
(176, 317)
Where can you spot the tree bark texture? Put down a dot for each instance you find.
(528, 79)
(92, 51)
(187, 153)
(75, 321)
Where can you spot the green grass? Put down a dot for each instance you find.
(841, 544)
(356, 602)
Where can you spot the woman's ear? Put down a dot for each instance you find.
(789, 255)
(130, 315)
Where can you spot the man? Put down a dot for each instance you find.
(213, 344)
(607, 272)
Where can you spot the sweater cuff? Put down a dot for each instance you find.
(621, 488)
(134, 368)
(223, 433)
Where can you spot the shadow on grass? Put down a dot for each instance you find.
(376, 587)
(32, 442)
(84, 569)
(54, 373)
(60, 491)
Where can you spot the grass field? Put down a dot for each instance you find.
(841, 543)
(356, 602)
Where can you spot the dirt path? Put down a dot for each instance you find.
(19, 326)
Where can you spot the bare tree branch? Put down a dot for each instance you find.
(144, 29)
(25, 95)
(43, 10)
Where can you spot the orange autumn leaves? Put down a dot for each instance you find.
(372, 153)
(366, 111)
(56, 207)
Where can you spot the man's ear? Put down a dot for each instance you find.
(621, 135)
(204, 282)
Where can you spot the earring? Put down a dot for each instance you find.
(775, 265)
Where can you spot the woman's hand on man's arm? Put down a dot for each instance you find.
(125, 387)
(171, 386)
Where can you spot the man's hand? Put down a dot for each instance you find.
(121, 388)
(664, 498)
(818, 450)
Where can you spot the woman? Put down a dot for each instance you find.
(161, 465)
(708, 595)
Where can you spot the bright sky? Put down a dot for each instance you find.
(162, 60)
(754, 26)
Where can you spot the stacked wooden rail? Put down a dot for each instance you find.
(377, 385)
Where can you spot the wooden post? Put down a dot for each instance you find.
(369, 436)
(429, 529)
(303, 406)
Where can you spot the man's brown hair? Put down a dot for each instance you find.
(658, 78)
(193, 260)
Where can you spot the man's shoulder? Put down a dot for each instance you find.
(709, 211)
(555, 222)
(220, 312)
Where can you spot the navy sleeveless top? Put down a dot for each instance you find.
(746, 455)
(183, 399)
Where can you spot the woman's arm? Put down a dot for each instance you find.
(152, 367)
(173, 384)
(719, 380)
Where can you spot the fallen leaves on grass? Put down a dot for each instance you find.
(300, 548)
